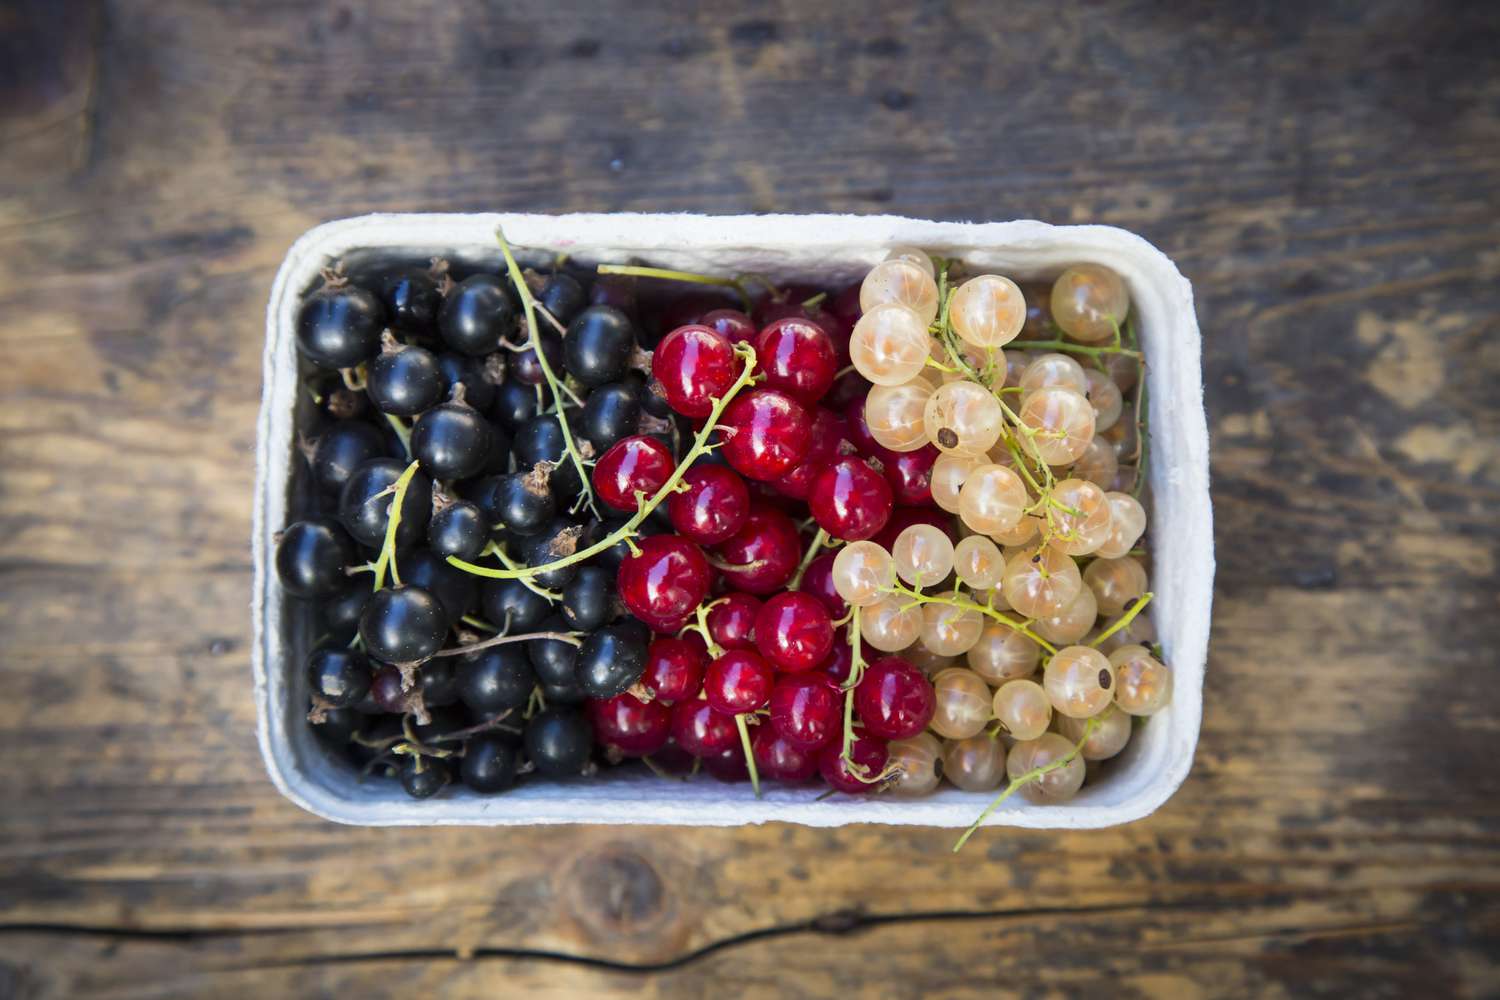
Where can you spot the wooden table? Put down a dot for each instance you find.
(1327, 178)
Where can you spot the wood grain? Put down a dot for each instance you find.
(1326, 175)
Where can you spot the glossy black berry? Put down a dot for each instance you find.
(343, 448)
(339, 326)
(598, 345)
(562, 296)
(564, 694)
(445, 719)
(404, 381)
(311, 557)
(558, 742)
(455, 590)
(412, 300)
(554, 660)
(610, 413)
(635, 629)
(439, 682)
(460, 529)
(489, 763)
(495, 680)
(511, 603)
(652, 399)
(477, 314)
(339, 677)
(527, 368)
(479, 391)
(609, 661)
(515, 403)
(556, 541)
(452, 441)
(589, 601)
(364, 503)
(540, 439)
(338, 725)
(403, 625)
(342, 611)
(520, 503)
(423, 777)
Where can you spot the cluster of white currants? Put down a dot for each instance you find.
(1039, 470)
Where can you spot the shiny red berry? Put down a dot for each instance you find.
(797, 357)
(739, 681)
(713, 507)
(805, 710)
(869, 752)
(694, 365)
(728, 765)
(909, 474)
(701, 729)
(637, 463)
(850, 500)
(767, 433)
(830, 439)
(835, 668)
(733, 324)
(666, 580)
(633, 727)
(794, 631)
(763, 555)
(859, 430)
(778, 759)
(731, 621)
(674, 668)
(894, 699)
(817, 580)
(904, 517)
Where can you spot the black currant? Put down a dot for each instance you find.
(617, 291)
(558, 742)
(540, 439)
(404, 380)
(443, 720)
(452, 441)
(341, 611)
(479, 391)
(339, 326)
(589, 601)
(311, 557)
(338, 725)
(554, 660)
(564, 694)
(635, 629)
(412, 300)
(496, 679)
(343, 448)
(512, 606)
(423, 777)
(439, 682)
(557, 540)
(455, 590)
(527, 368)
(649, 392)
(515, 403)
(609, 661)
(498, 458)
(489, 763)
(364, 503)
(520, 503)
(610, 413)
(340, 677)
(459, 529)
(403, 625)
(477, 314)
(598, 345)
(562, 296)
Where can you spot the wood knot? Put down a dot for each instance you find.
(618, 893)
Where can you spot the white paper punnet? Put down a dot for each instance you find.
(831, 250)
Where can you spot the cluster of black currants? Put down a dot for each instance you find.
(435, 392)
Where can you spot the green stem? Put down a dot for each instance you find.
(1142, 437)
(524, 291)
(1125, 619)
(740, 724)
(1035, 774)
(628, 529)
(813, 548)
(955, 602)
(571, 638)
(498, 551)
(738, 284)
(402, 432)
(392, 522)
(856, 674)
(1068, 345)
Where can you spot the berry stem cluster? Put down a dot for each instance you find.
(1021, 780)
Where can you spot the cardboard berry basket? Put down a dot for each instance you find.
(830, 250)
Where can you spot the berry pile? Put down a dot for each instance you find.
(554, 522)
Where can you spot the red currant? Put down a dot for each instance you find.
(797, 357)
(869, 752)
(859, 430)
(637, 463)
(817, 580)
(733, 324)
(713, 507)
(850, 500)
(894, 700)
(779, 759)
(689, 309)
(845, 305)
(665, 580)
(674, 668)
(731, 621)
(763, 555)
(840, 661)
(634, 727)
(738, 682)
(701, 729)
(805, 710)
(830, 438)
(728, 765)
(904, 517)
(848, 389)
(694, 365)
(909, 474)
(794, 631)
(767, 433)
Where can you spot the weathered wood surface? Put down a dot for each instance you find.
(1327, 175)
